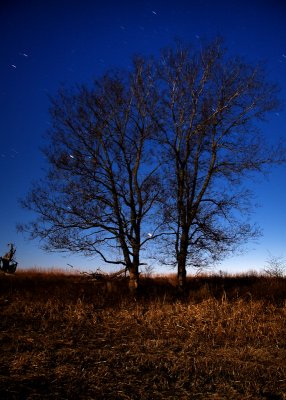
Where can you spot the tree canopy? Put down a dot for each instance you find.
(156, 154)
(207, 115)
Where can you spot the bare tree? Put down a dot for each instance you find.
(102, 186)
(168, 145)
(209, 104)
(276, 266)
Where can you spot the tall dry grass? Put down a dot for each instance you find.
(65, 337)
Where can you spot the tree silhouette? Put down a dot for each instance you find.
(209, 104)
(163, 152)
(102, 186)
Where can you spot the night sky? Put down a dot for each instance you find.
(45, 44)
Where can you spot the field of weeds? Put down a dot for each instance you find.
(66, 337)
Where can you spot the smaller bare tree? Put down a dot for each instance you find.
(275, 266)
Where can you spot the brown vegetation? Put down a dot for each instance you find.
(67, 337)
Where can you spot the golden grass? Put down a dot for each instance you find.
(64, 337)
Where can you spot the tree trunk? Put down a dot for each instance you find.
(133, 278)
(182, 273)
(182, 261)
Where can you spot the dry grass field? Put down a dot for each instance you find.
(67, 337)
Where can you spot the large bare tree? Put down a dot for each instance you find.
(170, 145)
(210, 107)
(102, 186)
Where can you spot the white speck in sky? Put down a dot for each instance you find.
(71, 156)
(13, 65)
(24, 54)
(154, 12)
(150, 234)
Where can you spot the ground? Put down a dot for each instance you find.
(66, 337)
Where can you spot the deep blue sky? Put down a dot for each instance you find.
(48, 43)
